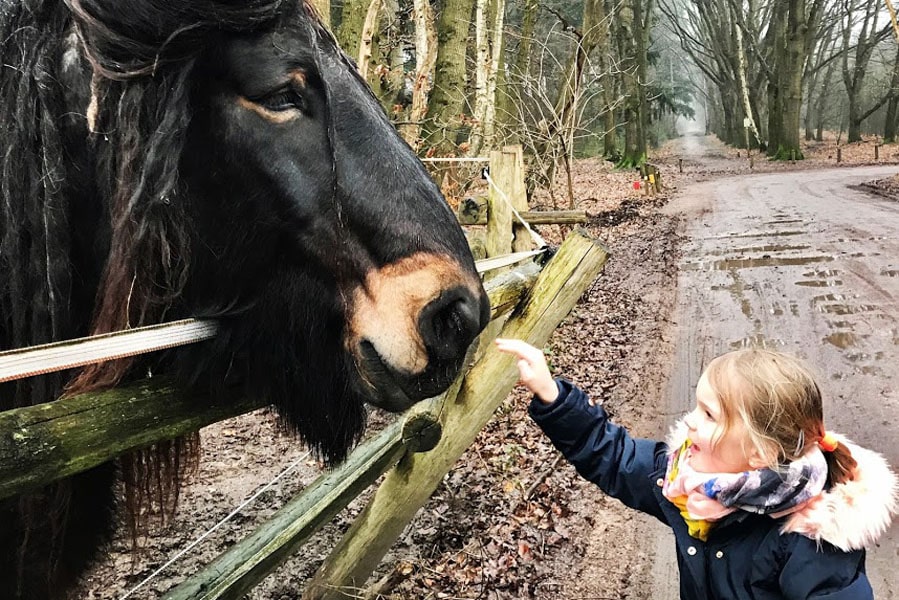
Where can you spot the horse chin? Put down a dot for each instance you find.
(384, 385)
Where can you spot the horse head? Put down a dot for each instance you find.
(273, 194)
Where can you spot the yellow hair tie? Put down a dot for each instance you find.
(829, 442)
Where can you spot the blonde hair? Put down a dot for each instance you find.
(776, 398)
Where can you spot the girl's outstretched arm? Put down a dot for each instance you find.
(532, 369)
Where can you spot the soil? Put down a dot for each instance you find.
(510, 521)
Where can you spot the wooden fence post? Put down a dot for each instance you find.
(408, 486)
(518, 194)
(499, 213)
(505, 233)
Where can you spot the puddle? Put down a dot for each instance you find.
(746, 307)
(833, 304)
(820, 283)
(823, 273)
(784, 222)
(766, 234)
(750, 263)
(737, 290)
(842, 339)
(821, 278)
(757, 340)
(871, 370)
(764, 248)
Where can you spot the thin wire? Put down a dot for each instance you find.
(455, 159)
(217, 525)
(541, 243)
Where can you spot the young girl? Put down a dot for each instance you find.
(763, 501)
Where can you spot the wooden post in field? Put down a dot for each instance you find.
(680, 165)
(876, 151)
(518, 194)
(499, 212)
(839, 154)
(505, 233)
(408, 486)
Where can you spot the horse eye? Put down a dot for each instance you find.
(284, 100)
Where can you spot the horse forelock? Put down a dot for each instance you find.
(139, 112)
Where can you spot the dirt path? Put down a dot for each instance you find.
(804, 263)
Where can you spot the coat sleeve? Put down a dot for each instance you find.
(824, 573)
(601, 451)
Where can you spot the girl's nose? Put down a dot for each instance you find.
(688, 421)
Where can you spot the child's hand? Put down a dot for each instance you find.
(532, 369)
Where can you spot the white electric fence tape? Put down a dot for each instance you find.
(58, 356)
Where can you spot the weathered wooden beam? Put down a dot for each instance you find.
(407, 487)
(473, 211)
(548, 217)
(236, 571)
(42, 443)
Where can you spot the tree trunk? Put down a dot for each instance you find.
(820, 104)
(323, 8)
(366, 38)
(511, 84)
(785, 96)
(442, 128)
(744, 86)
(630, 41)
(889, 126)
(351, 23)
(488, 41)
(425, 58)
(390, 87)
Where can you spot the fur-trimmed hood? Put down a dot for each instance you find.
(851, 515)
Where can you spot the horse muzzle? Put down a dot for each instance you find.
(445, 328)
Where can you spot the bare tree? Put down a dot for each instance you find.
(425, 58)
(860, 17)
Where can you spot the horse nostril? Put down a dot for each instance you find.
(449, 324)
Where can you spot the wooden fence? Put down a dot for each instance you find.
(39, 444)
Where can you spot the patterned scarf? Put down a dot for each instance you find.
(704, 498)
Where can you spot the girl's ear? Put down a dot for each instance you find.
(756, 461)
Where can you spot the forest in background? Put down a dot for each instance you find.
(569, 78)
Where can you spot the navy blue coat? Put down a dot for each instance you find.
(746, 555)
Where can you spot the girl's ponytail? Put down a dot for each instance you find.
(840, 463)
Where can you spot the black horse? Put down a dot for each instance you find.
(210, 158)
